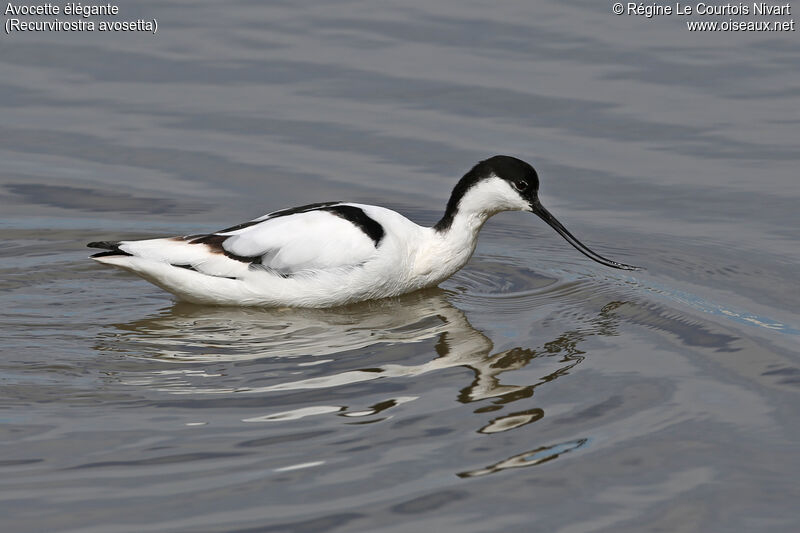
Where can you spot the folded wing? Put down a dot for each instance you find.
(318, 239)
(300, 241)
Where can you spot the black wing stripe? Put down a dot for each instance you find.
(281, 213)
(357, 217)
(301, 209)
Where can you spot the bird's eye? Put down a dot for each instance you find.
(520, 185)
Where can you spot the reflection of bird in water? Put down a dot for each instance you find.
(188, 333)
(535, 457)
(334, 253)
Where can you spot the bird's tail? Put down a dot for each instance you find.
(111, 247)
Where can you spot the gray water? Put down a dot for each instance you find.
(535, 390)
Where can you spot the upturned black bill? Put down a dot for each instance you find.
(545, 215)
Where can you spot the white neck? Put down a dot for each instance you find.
(443, 253)
(449, 249)
(460, 240)
(454, 239)
(464, 230)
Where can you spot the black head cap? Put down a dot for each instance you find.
(519, 174)
(523, 179)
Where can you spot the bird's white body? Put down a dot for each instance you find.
(325, 259)
(324, 255)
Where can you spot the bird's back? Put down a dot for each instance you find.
(324, 254)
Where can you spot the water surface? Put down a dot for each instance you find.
(535, 390)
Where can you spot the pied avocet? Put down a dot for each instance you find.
(328, 254)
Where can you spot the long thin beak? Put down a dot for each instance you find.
(538, 209)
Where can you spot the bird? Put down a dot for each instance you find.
(336, 253)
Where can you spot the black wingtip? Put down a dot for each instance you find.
(105, 245)
(111, 246)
